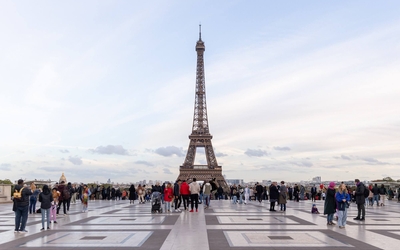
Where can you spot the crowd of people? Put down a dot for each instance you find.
(62, 195)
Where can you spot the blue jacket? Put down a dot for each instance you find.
(339, 199)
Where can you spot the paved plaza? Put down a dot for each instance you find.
(119, 225)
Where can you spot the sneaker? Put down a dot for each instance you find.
(191, 211)
(23, 231)
(42, 229)
(15, 231)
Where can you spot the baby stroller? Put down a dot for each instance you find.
(156, 202)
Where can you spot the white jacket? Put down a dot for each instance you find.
(194, 188)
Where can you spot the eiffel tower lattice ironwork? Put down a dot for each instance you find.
(200, 136)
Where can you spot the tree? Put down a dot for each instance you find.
(6, 181)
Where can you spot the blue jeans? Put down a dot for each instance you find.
(376, 198)
(45, 214)
(234, 198)
(32, 206)
(240, 198)
(329, 218)
(206, 199)
(283, 207)
(342, 217)
(21, 216)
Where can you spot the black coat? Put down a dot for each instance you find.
(132, 193)
(273, 193)
(330, 202)
(45, 200)
(360, 199)
(24, 201)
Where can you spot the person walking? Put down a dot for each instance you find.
(85, 198)
(382, 195)
(185, 192)
(296, 191)
(21, 205)
(246, 194)
(282, 200)
(360, 200)
(53, 209)
(168, 195)
(132, 194)
(330, 203)
(206, 194)
(64, 196)
(273, 196)
(375, 191)
(177, 195)
(194, 188)
(342, 198)
(259, 190)
(45, 199)
(313, 193)
(141, 192)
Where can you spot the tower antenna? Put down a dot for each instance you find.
(200, 31)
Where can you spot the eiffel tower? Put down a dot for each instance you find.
(201, 137)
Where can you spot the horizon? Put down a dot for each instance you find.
(106, 90)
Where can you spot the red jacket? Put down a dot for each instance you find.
(168, 192)
(184, 189)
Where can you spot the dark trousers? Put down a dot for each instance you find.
(185, 199)
(313, 197)
(21, 216)
(32, 206)
(194, 201)
(68, 203)
(178, 201)
(259, 197)
(272, 206)
(361, 210)
(64, 203)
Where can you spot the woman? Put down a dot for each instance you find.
(140, 192)
(282, 196)
(168, 195)
(85, 198)
(132, 194)
(330, 203)
(273, 196)
(32, 201)
(342, 197)
(53, 209)
(45, 199)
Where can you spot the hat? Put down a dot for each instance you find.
(331, 185)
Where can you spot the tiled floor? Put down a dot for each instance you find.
(119, 225)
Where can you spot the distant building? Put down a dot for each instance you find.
(234, 181)
(316, 179)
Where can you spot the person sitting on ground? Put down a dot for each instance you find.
(314, 209)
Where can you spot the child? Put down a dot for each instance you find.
(314, 209)
(54, 203)
(85, 199)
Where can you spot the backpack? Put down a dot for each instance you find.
(366, 192)
(18, 195)
(65, 193)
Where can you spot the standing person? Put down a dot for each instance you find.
(234, 194)
(194, 188)
(342, 197)
(302, 191)
(360, 200)
(282, 196)
(246, 194)
(375, 191)
(273, 196)
(206, 194)
(64, 196)
(71, 192)
(177, 194)
(185, 192)
(168, 195)
(241, 191)
(132, 194)
(220, 192)
(21, 205)
(330, 203)
(296, 192)
(141, 192)
(313, 193)
(259, 190)
(74, 194)
(45, 199)
(85, 198)
(382, 195)
(33, 200)
(53, 209)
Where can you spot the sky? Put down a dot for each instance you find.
(104, 90)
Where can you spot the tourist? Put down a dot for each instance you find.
(71, 191)
(234, 194)
(330, 203)
(360, 200)
(259, 191)
(64, 196)
(207, 193)
(314, 209)
(177, 195)
(302, 192)
(21, 205)
(220, 192)
(296, 192)
(74, 194)
(240, 193)
(290, 192)
(85, 198)
(313, 193)
(53, 209)
(382, 195)
(273, 196)
(194, 188)
(33, 200)
(132, 194)
(375, 191)
(246, 194)
(185, 192)
(168, 195)
(45, 199)
(141, 192)
(342, 198)
(282, 200)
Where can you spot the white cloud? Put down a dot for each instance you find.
(170, 151)
(76, 160)
(110, 149)
(256, 152)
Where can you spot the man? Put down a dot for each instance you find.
(375, 192)
(220, 192)
(64, 196)
(259, 190)
(177, 195)
(313, 192)
(21, 205)
(206, 193)
(360, 200)
(246, 194)
(290, 191)
(194, 189)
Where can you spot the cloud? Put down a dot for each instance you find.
(256, 152)
(344, 157)
(373, 161)
(76, 160)
(109, 150)
(282, 148)
(220, 154)
(144, 163)
(169, 151)
(167, 171)
(5, 167)
(64, 151)
(50, 169)
(302, 163)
